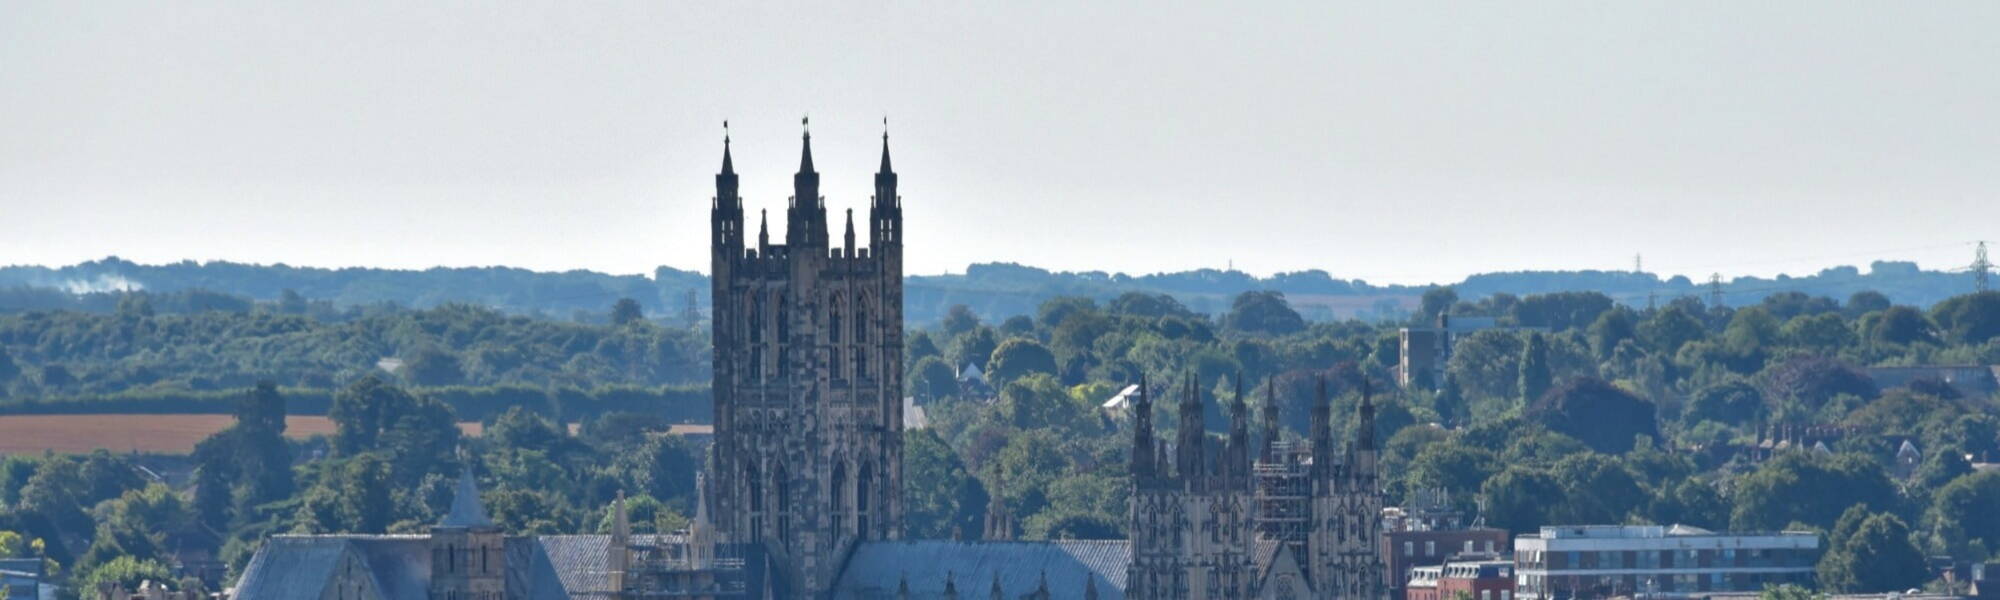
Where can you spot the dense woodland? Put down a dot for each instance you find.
(1594, 412)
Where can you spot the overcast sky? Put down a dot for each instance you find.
(1399, 142)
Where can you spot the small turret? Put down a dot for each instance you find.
(1143, 467)
(1322, 434)
(1192, 452)
(850, 233)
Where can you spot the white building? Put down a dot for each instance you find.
(1596, 561)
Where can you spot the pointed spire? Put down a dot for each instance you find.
(850, 232)
(466, 509)
(806, 156)
(700, 499)
(1143, 466)
(621, 524)
(728, 166)
(763, 228)
(1322, 432)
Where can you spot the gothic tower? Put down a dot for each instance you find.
(468, 552)
(808, 341)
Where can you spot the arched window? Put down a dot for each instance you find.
(784, 317)
(864, 484)
(861, 319)
(839, 488)
(833, 321)
(783, 486)
(756, 489)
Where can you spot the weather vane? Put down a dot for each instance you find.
(805, 123)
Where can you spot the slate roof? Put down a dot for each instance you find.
(877, 568)
(291, 567)
(299, 567)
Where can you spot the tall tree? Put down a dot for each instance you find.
(1534, 378)
(1877, 557)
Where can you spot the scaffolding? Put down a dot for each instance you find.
(1283, 498)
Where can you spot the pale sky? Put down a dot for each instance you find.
(1397, 142)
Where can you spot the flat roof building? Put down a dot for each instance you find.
(1596, 561)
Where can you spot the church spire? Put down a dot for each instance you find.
(763, 229)
(850, 233)
(728, 166)
(806, 155)
(466, 510)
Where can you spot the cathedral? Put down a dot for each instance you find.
(802, 496)
(808, 453)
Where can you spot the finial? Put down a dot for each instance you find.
(725, 132)
(805, 123)
(885, 128)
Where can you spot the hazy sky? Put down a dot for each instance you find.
(1399, 142)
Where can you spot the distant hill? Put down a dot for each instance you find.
(993, 290)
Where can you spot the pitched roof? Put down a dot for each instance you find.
(877, 568)
(291, 567)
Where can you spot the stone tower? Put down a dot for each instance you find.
(808, 377)
(1191, 530)
(468, 552)
(1195, 529)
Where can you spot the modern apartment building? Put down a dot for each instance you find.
(1598, 561)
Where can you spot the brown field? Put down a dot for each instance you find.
(169, 434)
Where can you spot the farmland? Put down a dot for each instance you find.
(166, 434)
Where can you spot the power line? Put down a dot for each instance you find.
(1980, 267)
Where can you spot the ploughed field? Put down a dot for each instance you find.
(167, 434)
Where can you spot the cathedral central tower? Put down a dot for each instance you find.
(808, 376)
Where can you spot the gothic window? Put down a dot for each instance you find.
(833, 322)
(784, 514)
(861, 319)
(838, 492)
(863, 482)
(484, 567)
(756, 489)
(784, 317)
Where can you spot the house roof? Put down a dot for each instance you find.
(876, 569)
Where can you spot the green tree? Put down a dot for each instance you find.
(626, 310)
(959, 319)
(1263, 312)
(1019, 357)
(1518, 499)
(1601, 415)
(1878, 557)
(931, 379)
(1435, 301)
(941, 498)
(1824, 332)
(1864, 302)
(125, 572)
(1963, 512)
(1596, 489)
(1669, 329)
(1798, 487)
(1731, 402)
(1534, 378)
(974, 347)
(1970, 319)
(1900, 325)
